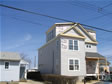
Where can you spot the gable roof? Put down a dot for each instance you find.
(10, 56)
(73, 27)
(86, 32)
(80, 35)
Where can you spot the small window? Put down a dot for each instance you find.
(73, 64)
(6, 65)
(88, 46)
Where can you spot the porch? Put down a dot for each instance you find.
(95, 64)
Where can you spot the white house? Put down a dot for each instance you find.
(9, 66)
(12, 68)
(70, 50)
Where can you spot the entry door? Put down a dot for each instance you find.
(22, 72)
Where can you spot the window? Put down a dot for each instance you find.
(88, 46)
(50, 35)
(73, 45)
(6, 65)
(73, 64)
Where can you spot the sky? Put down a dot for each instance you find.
(24, 33)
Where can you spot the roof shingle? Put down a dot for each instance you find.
(10, 56)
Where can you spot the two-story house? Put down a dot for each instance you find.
(70, 50)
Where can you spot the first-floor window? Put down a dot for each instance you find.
(6, 65)
(73, 64)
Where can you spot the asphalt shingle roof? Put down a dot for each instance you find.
(10, 56)
(93, 55)
(96, 55)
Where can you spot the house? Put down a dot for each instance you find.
(70, 50)
(12, 68)
(9, 66)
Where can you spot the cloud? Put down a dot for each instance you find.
(21, 42)
(28, 37)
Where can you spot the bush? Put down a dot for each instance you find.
(51, 78)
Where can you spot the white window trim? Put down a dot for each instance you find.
(73, 44)
(73, 59)
(4, 65)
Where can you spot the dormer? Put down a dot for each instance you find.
(56, 29)
(59, 28)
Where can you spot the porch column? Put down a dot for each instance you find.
(98, 70)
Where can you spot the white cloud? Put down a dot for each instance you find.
(28, 37)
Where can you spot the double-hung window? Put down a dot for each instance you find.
(73, 45)
(74, 64)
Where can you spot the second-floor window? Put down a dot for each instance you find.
(73, 45)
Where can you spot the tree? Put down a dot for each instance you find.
(26, 58)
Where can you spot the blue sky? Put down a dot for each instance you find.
(25, 33)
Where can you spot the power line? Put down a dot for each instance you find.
(28, 21)
(106, 5)
(91, 7)
(27, 11)
(96, 28)
(34, 13)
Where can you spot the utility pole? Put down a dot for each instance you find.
(35, 62)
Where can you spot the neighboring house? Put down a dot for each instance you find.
(9, 66)
(70, 50)
(12, 68)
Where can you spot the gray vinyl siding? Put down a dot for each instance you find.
(9, 74)
(49, 58)
(66, 54)
(92, 49)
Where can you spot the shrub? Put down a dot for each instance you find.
(52, 79)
